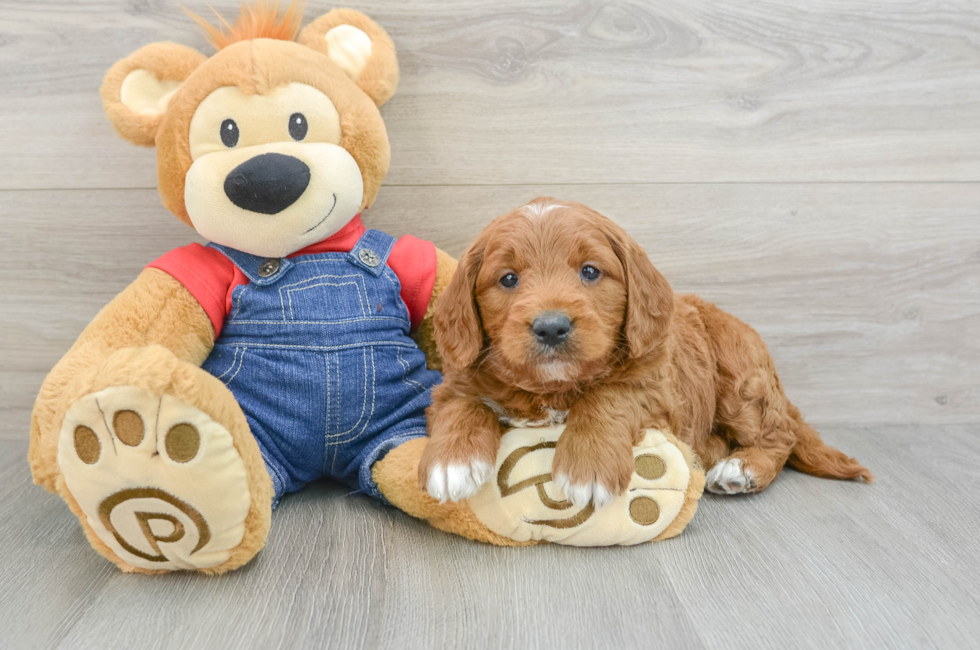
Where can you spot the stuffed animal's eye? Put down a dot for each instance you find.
(229, 133)
(509, 281)
(590, 273)
(298, 126)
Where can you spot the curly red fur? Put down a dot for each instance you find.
(637, 357)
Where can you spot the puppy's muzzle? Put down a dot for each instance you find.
(267, 184)
(552, 328)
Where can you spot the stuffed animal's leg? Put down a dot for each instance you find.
(520, 505)
(397, 477)
(158, 463)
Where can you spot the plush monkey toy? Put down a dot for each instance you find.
(294, 345)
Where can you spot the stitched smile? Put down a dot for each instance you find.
(326, 217)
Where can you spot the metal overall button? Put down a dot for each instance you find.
(268, 267)
(369, 257)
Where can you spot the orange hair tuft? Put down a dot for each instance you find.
(259, 20)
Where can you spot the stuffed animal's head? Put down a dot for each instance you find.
(272, 144)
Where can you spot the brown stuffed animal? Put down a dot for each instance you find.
(288, 349)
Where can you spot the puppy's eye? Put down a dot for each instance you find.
(509, 281)
(298, 126)
(229, 133)
(590, 273)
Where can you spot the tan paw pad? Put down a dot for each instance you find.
(159, 481)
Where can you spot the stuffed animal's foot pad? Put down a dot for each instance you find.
(729, 476)
(159, 481)
(522, 502)
(457, 481)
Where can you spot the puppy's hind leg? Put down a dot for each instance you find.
(760, 431)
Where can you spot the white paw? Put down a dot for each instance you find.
(582, 494)
(728, 477)
(457, 481)
(159, 481)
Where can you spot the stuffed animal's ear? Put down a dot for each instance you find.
(359, 47)
(136, 89)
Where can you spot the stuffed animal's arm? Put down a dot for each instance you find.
(154, 309)
(424, 334)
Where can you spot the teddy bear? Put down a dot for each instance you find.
(298, 343)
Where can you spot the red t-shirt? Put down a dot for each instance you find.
(211, 277)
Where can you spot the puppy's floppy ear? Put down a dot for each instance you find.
(136, 89)
(649, 298)
(359, 47)
(458, 328)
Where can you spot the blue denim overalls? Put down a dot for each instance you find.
(316, 350)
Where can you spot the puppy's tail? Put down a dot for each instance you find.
(811, 456)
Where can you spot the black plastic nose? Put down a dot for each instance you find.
(552, 328)
(268, 184)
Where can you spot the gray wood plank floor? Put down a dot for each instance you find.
(806, 564)
(811, 166)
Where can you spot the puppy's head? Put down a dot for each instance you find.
(550, 295)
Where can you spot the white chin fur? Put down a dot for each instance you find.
(329, 202)
(554, 371)
(582, 494)
(457, 481)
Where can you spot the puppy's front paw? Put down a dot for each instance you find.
(582, 494)
(457, 481)
(595, 478)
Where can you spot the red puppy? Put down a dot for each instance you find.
(556, 312)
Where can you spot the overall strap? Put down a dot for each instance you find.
(259, 270)
(371, 251)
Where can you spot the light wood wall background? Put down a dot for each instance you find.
(812, 167)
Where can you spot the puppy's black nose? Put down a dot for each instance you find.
(552, 328)
(268, 184)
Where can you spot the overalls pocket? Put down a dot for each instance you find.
(225, 362)
(339, 292)
(350, 394)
